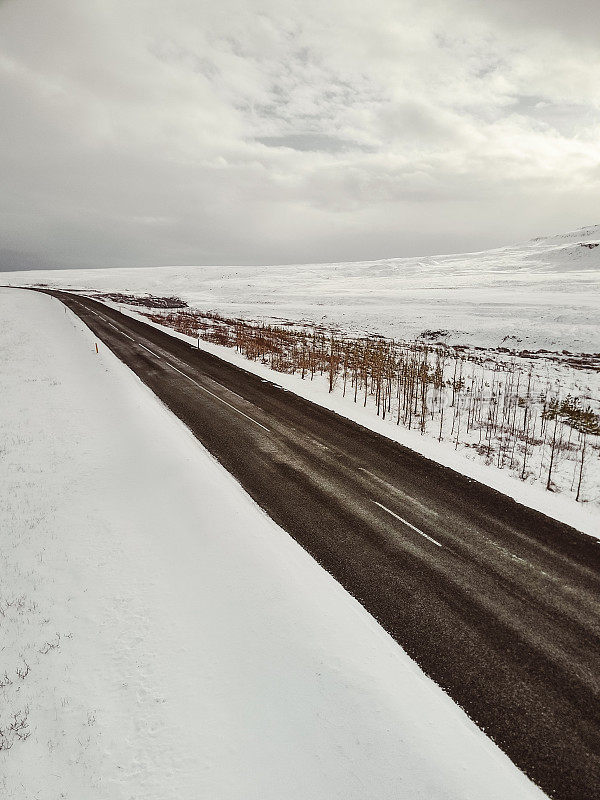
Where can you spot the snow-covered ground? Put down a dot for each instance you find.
(161, 637)
(540, 294)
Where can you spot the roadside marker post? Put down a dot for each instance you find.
(96, 346)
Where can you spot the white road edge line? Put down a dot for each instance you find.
(150, 351)
(216, 396)
(407, 523)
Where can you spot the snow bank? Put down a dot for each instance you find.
(178, 643)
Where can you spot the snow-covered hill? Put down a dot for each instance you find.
(540, 294)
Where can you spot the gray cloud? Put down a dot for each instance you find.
(312, 142)
(168, 131)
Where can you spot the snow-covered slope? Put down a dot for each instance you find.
(162, 638)
(541, 294)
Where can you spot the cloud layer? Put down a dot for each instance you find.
(187, 132)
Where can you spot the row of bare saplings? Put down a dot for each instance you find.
(495, 406)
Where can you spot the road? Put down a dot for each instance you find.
(497, 603)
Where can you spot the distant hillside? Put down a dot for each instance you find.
(539, 294)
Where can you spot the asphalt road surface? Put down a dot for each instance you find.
(497, 603)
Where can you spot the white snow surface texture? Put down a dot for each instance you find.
(539, 294)
(179, 643)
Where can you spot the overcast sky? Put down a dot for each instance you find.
(218, 131)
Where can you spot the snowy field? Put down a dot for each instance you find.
(161, 637)
(540, 294)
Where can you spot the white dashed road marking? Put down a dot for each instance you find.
(150, 351)
(220, 399)
(407, 523)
